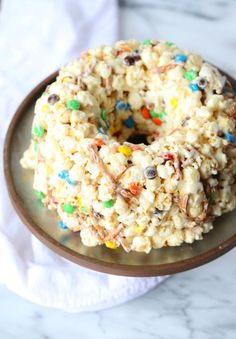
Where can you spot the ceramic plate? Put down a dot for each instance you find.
(43, 223)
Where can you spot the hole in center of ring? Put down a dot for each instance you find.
(138, 139)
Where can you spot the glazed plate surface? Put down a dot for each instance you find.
(43, 223)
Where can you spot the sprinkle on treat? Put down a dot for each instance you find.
(145, 113)
(117, 120)
(150, 172)
(99, 142)
(68, 208)
(108, 203)
(62, 225)
(194, 87)
(190, 75)
(202, 82)
(40, 195)
(110, 244)
(38, 131)
(53, 98)
(122, 106)
(104, 115)
(126, 150)
(230, 137)
(84, 209)
(134, 188)
(147, 42)
(73, 105)
(129, 123)
(181, 58)
(174, 103)
(102, 130)
(157, 121)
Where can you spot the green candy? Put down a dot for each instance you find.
(38, 131)
(35, 145)
(211, 198)
(73, 104)
(84, 210)
(190, 75)
(108, 203)
(40, 195)
(104, 115)
(68, 208)
(147, 42)
(162, 114)
(154, 114)
(169, 43)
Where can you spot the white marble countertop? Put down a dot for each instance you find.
(200, 303)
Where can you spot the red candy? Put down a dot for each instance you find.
(167, 156)
(145, 113)
(157, 121)
(136, 148)
(99, 142)
(134, 188)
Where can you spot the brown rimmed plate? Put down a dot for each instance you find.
(43, 223)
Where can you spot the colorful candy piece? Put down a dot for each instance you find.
(99, 142)
(145, 113)
(230, 137)
(162, 114)
(167, 156)
(126, 150)
(73, 104)
(174, 103)
(102, 130)
(139, 229)
(62, 225)
(64, 174)
(169, 43)
(108, 203)
(150, 172)
(84, 209)
(153, 114)
(79, 201)
(202, 83)
(68, 208)
(190, 75)
(194, 87)
(147, 42)
(134, 188)
(53, 98)
(111, 245)
(104, 115)
(157, 121)
(40, 195)
(38, 131)
(122, 106)
(129, 123)
(181, 58)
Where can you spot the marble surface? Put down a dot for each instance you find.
(200, 303)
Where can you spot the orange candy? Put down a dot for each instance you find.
(157, 121)
(134, 188)
(145, 112)
(99, 142)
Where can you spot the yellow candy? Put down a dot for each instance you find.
(174, 103)
(139, 229)
(79, 201)
(45, 108)
(127, 151)
(89, 58)
(64, 80)
(111, 245)
(59, 106)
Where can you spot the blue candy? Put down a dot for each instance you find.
(194, 87)
(181, 58)
(230, 137)
(63, 174)
(62, 225)
(129, 123)
(122, 106)
(102, 130)
(70, 182)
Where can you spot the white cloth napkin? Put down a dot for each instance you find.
(36, 38)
